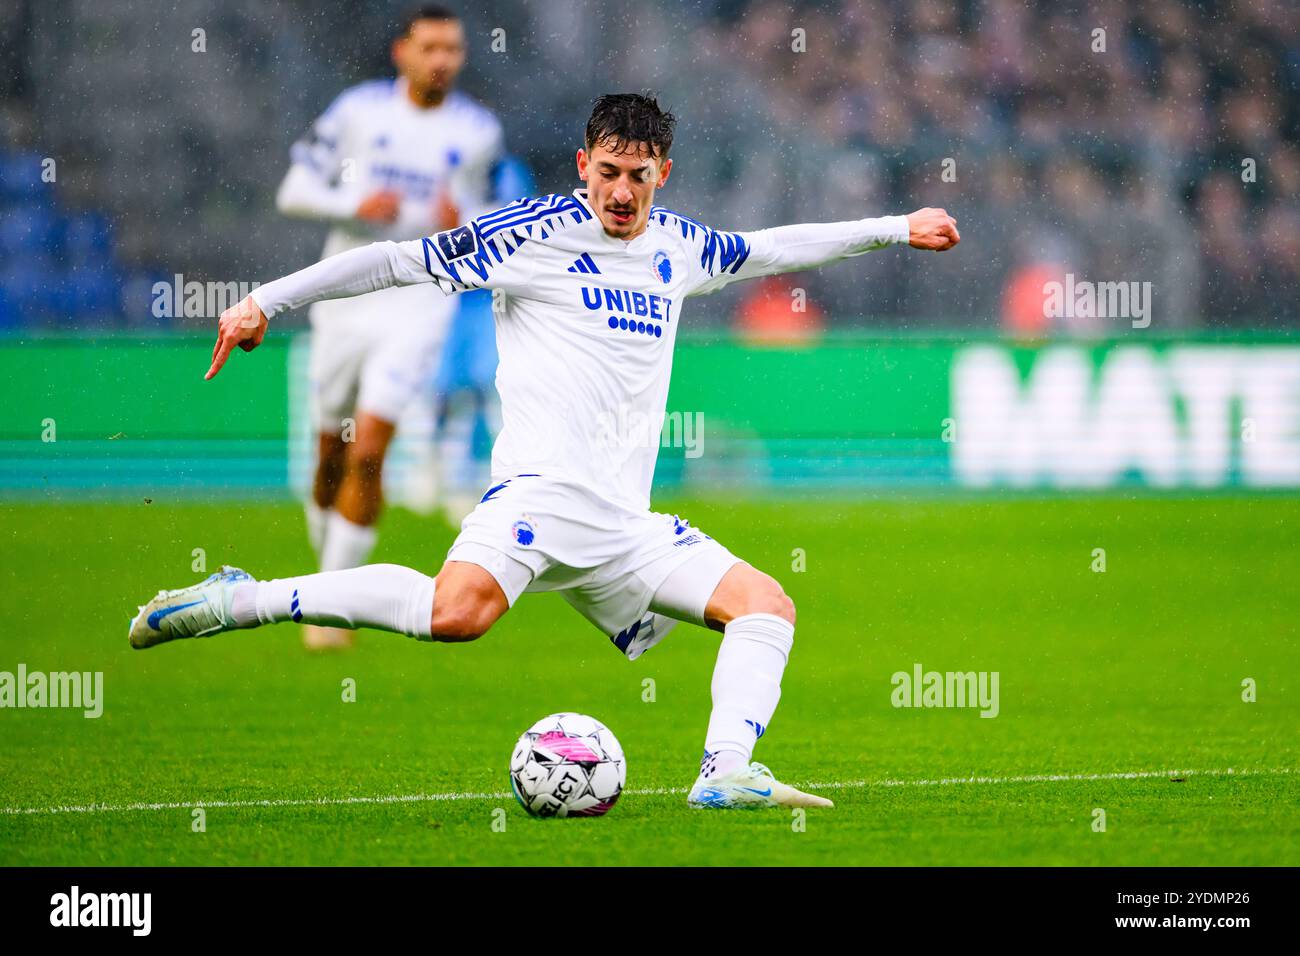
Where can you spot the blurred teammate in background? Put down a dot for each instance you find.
(390, 159)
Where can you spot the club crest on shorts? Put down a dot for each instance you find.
(663, 266)
(523, 532)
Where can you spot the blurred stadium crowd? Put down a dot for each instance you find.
(1165, 150)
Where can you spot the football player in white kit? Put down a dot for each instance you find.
(594, 286)
(389, 159)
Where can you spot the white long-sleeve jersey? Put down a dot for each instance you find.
(372, 138)
(585, 322)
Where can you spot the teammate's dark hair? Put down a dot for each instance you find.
(425, 11)
(621, 120)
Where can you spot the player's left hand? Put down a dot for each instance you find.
(932, 229)
(243, 325)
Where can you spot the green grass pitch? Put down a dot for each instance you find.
(1135, 670)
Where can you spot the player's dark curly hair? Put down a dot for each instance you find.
(621, 120)
(423, 11)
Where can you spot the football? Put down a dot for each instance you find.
(567, 765)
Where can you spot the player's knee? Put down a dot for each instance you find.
(459, 627)
(366, 460)
(788, 612)
(460, 624)
(779, 603)
(746, 590)
(467, 601)
(769, 597)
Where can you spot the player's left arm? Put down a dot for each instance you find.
(727, 257)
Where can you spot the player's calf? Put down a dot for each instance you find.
(360, 497)
(757, 619)
(350, 529)
(347, 543)
(331, 453)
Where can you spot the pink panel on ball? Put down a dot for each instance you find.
(571, 748)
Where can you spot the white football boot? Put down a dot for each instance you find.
(196, 611)
(748, 788)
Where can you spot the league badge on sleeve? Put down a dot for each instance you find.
(457, 243)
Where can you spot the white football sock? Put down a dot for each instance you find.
(746, 688)
(721, 763)
(384, 596)
(317, 525)
(347, 545)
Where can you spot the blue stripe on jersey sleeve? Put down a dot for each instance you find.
(527, 212)
(498, 236)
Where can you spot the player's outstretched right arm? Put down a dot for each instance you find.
(473, 256)
(355, 272)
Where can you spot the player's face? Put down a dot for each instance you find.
(621, 186)
(431, 56)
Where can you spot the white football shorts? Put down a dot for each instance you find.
(375, 353)
(534, 533)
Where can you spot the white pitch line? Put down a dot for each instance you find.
(1052, 778)
(244, 804)
(645, 792)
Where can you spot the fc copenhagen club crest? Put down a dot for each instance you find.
(663, 266)
(523, 531)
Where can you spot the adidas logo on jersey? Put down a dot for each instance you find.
(584, 264)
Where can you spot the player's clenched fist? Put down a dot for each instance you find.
(932, 229)
(243, 325)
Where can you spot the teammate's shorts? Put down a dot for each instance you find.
(374, 353)
(534, 533)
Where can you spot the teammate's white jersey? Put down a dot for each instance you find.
(585, 322)
(372, 138)
(374, 354)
